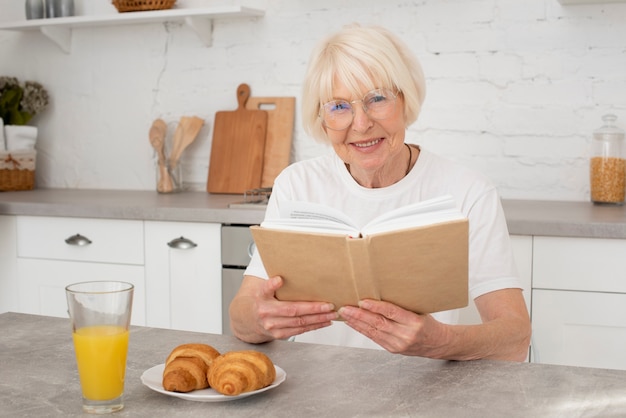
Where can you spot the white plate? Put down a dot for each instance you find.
(153, 378)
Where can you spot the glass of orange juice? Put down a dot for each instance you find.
(100, 316)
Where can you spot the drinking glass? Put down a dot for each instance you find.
(100, 316)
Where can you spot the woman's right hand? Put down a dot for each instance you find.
(256, 315)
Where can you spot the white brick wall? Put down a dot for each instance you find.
(515, 87)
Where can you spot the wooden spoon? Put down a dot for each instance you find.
(185, 134)
(157, 134)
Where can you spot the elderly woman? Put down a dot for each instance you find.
(362, 90)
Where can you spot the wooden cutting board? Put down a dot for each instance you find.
(236, 162)
(280, 119)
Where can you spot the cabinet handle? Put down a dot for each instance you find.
(78, 240)
(251, 248)
(182, 243)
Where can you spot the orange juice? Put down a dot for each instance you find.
(101, 358)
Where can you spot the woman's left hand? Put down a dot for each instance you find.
(393, 328)
(504, 333)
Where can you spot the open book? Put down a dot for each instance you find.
(415, 256)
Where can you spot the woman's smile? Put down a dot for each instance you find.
(368, 143)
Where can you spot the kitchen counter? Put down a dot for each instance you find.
(524, 217)
(565, 219)
(39, 378)
(128, 204)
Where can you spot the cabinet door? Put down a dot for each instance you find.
(522, 247)
(184, 284)
(46, 262)
(585, 264)
(8, 258)
(42, 284)
(231, 282)
(579, 328)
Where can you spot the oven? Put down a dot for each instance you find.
(237, 248)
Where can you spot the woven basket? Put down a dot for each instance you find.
(142, 5)
(17, 170)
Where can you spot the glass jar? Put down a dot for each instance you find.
(169, 179)
(607, 167)
(35, 9)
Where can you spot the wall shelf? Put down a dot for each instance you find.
(200, 20)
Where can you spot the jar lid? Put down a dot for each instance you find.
(609, 126)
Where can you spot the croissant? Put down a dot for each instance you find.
(187, 366)
(237, 372)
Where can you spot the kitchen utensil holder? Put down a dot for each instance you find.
(142, 5)
(169, 180)
(17, 170)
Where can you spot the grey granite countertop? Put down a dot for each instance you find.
(39, 379)
(128, 204)
(565, 219)
(524, 217)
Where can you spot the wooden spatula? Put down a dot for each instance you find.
(185, 134)
(236, 162)
(158, 130)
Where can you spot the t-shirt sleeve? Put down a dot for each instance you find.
(491, 263)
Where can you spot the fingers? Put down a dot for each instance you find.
(285, 319)
(388, 325)
(272, 285)
(285, 327)
(293, 309)
(369, 323)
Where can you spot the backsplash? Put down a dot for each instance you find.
(514, 88)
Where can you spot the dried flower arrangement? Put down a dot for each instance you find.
(18, 104)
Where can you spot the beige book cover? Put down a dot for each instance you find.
(423, 269)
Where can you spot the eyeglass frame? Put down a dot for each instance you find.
(394, 94)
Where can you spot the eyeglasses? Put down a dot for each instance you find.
(339, 114)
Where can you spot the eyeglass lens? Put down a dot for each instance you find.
(377, 104)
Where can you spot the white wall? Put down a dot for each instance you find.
(515, 87)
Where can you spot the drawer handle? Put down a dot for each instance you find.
(182, 243)
(78, 240)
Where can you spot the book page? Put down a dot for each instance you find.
(437, 204)
(428, 212)
(314, 217)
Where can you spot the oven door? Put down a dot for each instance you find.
(237, 248)
(231, 281)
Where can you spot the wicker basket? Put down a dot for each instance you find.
(142, 5)
(17, 170)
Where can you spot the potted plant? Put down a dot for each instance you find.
(18, 104)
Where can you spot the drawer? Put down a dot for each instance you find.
(585, 329)
(112, 241)
(588, 264)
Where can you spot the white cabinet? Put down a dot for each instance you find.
(586, 264)
(579, 328)
(579, 301)
(8, 258)
(49, 257)
(183, 273)
(174, 266)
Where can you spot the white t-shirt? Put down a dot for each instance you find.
(326, 180)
